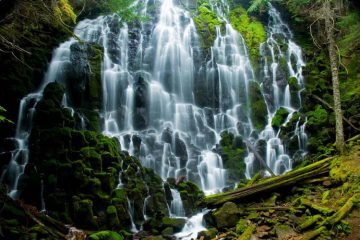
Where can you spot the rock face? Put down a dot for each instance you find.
(80, 170)
(83, 82)
(190, 194)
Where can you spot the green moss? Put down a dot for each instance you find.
(92, 157)
(67, 10)
(226, 216)
(252, 30)
(233, 152)
(206, 22)
(257, 106)
(241, 226)
(175, 223)
(279, 117)
(310, 221)
(247, 233)
(105, 235)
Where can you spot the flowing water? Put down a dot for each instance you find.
(151, 74)
(281, 60)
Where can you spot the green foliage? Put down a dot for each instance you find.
(241, 226)
(206, 23)
(258, 5)
(280, 117)
(127, 10)
(252, 30)
(3, 118)
(105, 235)
(349, 25)
(343, 227)
(318, 116)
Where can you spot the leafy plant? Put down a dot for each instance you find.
(3, 118)
(127, 10)
(258, 5)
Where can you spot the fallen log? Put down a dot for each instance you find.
(342, 212)
(250, 209)
(270, 184)
(314, 233)
(316, 207)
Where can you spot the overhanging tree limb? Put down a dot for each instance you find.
(330, 107)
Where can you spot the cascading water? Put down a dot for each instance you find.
(20, 156)
(176, 206)
(281, 59)
(149, 77)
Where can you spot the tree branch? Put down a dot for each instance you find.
(330, 107)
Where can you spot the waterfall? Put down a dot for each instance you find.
(149, 76)
(273, 58)
(131, 215)
(176, 206)
(193, 226)
(20, 155)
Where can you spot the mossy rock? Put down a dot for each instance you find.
(257, 106)
(83, 213)
(251, 29)
(226, 216)
(176, 224)
(167, 231)
(208, 234)
(92, 157)
(232, 152)
(206, 22)
(279, 117)
(191, 196)
(105, 235)
(112, 217)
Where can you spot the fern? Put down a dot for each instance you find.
(3, 118)
(257, 5)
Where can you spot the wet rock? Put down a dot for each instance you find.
(166, 135)
(176, 224)
(112, 218)
(227, 215)
(141, 100)
(208, 234)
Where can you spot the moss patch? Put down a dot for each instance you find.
(251, 29)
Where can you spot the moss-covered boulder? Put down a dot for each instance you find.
(83, 213)
(232, 151)
(176, 224)
(208, 234)
(279, 117)
(257, 106)
(191, 196)
(112, 217)
(226, 216)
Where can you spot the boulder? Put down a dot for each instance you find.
(227, 216)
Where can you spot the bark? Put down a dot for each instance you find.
(270, 184)
(329, 28)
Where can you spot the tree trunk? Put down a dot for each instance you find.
(269, 184)
(329, 28)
